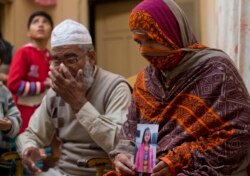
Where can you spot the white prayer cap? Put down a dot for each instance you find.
(70, 32)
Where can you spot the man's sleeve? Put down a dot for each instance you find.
(104, 128)
(39, 132)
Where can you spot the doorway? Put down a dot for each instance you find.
(116, 51)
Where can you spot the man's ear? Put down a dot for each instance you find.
(92, 57)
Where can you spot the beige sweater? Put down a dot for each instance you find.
(93, 131)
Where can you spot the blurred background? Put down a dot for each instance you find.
(107, 21)
(222, 24)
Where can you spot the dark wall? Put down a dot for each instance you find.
(92, 8)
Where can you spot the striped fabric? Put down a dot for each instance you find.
(29, 88)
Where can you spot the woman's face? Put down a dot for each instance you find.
(155, 53)
(146, 42)
(159, 56)
(147, 136)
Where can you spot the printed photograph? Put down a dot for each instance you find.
(145, 154)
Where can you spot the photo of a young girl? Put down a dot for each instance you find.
(145, 153)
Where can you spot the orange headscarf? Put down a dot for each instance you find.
(161, 26)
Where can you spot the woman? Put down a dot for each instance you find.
(144, 160)
(193, 92)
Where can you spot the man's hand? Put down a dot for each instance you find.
(72, 90)
(124, 164)
(161, 169)
(30, 156)
(47, 83)
(5, 124)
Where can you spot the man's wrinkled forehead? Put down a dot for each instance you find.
(66, 49)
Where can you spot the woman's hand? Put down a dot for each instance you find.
(124, 164)
(161, 169)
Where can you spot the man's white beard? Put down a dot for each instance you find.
(88, 77)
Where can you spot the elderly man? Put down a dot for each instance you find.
(85, 106)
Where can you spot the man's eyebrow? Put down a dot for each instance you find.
(66, 55)
(69, 54)
(54, 57)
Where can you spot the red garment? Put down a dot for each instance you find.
(28, 71)
(26, 112)
(140, 159)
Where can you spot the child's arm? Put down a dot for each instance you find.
(5, 124)
(11, 122)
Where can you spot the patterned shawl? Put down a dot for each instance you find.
(202, 105)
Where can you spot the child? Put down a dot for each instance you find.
(28, 75)
(10, 120)
(144, 161)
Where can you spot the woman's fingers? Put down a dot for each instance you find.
(124, 165)
(161, 169)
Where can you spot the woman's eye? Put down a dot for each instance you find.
(150, 40)
(138, 42)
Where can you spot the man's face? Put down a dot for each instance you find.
(71, 56)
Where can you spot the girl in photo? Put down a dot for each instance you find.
(144, 160)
